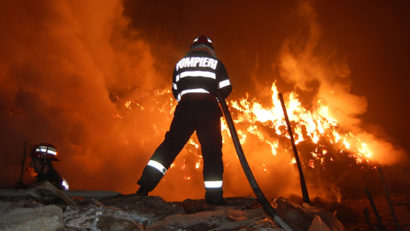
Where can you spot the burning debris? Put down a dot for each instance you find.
(326, 146)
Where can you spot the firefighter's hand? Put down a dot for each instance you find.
(21, 185)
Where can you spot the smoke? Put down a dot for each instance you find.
(63, 66)
(326, 77)
(302, 64)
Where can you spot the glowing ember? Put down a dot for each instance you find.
(192, 142)
(31, 172)
(198, 164)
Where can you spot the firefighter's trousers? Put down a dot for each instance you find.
(189, 116)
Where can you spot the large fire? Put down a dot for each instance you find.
(311, 126)
(93, 79)
(263, 134)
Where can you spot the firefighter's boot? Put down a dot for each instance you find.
(142, 191)
(214, 197)
(149, 180)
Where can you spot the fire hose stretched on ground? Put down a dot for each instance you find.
(255, 187)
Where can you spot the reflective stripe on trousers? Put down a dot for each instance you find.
(215, 184)
(158, 166)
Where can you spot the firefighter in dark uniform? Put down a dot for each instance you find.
(197, 78)
(42, 155)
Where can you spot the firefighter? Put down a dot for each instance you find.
(42, 156)
(196, 79)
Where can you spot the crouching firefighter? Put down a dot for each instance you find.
(196, 79)
(42, 156)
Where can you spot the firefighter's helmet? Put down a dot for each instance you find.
(202, 40)
(45, 151)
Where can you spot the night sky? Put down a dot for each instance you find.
(68, 67)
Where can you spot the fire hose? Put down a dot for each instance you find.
(249, 175)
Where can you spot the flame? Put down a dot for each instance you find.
(316, 126)
(266, 124)
(263, 133)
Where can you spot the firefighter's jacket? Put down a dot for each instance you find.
(200, 72)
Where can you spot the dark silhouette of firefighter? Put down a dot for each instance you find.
(42, 156)
(197, 78)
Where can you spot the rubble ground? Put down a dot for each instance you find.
(47, 210)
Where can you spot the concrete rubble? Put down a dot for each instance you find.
(306, 217)
(46, 218)
(132, 212)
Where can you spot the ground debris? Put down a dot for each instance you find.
(220, 219)
(47, 193)
(133, 212)
(302, 216)
(34, 217)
